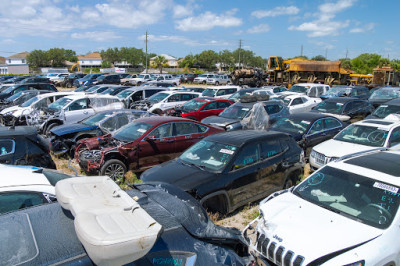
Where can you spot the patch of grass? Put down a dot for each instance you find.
(130, 178)
(249, 213)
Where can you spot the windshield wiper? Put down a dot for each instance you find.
(201, 167)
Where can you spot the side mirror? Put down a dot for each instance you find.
(151, 137)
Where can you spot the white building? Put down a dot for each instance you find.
(15, 64)
(90, 60)
(171, 61)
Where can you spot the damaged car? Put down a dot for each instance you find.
(16, 115)
(19, 98)
(64, 137)
(140, 145)
(347, 213)
(149, 224)
(232, 117)
(229, 170)
(71, 109)
(24, 146)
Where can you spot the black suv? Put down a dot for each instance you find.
(231, 169)
(108, 79)
(24, 146)
(69, 80)
(34, 80)
(26, 87)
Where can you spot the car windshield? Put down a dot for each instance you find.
(300, 89)
(10, 89)
(286, 101)
(384, 110)
(30, 101)
(93, 120)
(208, 155)
(132, 131)
(235, 111)
(292, 125)
(192, 105)
(60, 103)
(141, 76)
(202, 76)
(364, 135)
(354, 196)
(239, 94)
(94, 88)
(338, 90)
(124, 94)
(329, 107)
(158, 97)
(385, 94)
(209, 92)
(13, 97)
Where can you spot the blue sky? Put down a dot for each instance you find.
(178, 27)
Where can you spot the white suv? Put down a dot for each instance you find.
(219, 80)
(347, 213)
(202, 78)
(357, 137)
(223, 92)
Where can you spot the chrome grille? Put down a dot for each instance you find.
(276, 254)
(319, 158)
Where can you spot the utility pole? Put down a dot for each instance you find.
(301, 51)
(347, 52)
(146, 51)
(240, 48)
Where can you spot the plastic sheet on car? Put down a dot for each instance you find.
(257, 119)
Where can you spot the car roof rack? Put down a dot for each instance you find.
(112, 226)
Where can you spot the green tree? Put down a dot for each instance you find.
(70, 55)
(105, 64)
(365, 63)
(188, 61)
(56, 57)
(132, 55)
(38, 58)
(159, 62)
(319, 58)
(111, 55)
(226, 59)
(207, 59)
(346, 63)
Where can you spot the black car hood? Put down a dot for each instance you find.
(219, 121)
(71, 128)
(176, 173)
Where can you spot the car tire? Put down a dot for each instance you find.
(115, 169)
(50, 127)
(204, 82)
(69, 85)
(138, 83)
(157, 112)
(292, 180)
(216, 83)
(216, 204)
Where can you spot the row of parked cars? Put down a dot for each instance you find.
(223, 165)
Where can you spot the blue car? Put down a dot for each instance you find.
(63, 138)
(86, 80)
(359, 92)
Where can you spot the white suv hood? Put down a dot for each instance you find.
(19, 110)
(337, 149)
(309, 230)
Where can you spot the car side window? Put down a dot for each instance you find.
(221, 92)
(331, 123)
(320, 90)
(137, 96)
(7, 146)
(186, 129)
(348, 108)
(149, 93)
(231, 91)
(210, 106)
(163, 131)
(249, 155)
(394, 137)
(24, 88)
(272, 109)
(78, 105)
(297, 101)
(174, 98)
(270, 149)
(221, 105)
(186, 97)
(317, 127)
(11, 201)
(313, 92)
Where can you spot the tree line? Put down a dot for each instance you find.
(227, 60)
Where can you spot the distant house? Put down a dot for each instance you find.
(171, 61)
(15, 64)
(90, 60)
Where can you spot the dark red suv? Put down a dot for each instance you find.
(202, 107)
(140, 145)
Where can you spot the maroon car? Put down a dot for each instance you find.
(202, 107)
(140, 145)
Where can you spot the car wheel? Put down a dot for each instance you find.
(292, 180)
(138, 83)
(115, 169)
(69, 85)
(204, 82)
(216, 83)
(216, 204)
(49, 128)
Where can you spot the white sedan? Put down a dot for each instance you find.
(300, 103)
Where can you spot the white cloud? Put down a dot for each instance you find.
(99, 36)
(324, 25)
(366, 28)
(209, 20)
(324, 45)
(259, 28)
(180, 11)
(277, 11)
(184, 40)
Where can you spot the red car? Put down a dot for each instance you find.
(140, 145)
(202, 107)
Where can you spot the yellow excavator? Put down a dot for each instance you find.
(75, 67)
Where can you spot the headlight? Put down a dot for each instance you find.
(312, 154)
(229, 127)
(10, 113)
(358, 263)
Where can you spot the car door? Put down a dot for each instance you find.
(186, 134)
(297, 105)
(208, 110)
(78, 110)
(244, 175)
(316, 134)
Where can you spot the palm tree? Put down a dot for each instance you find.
(159, 62)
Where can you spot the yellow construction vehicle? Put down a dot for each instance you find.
(75, 67)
